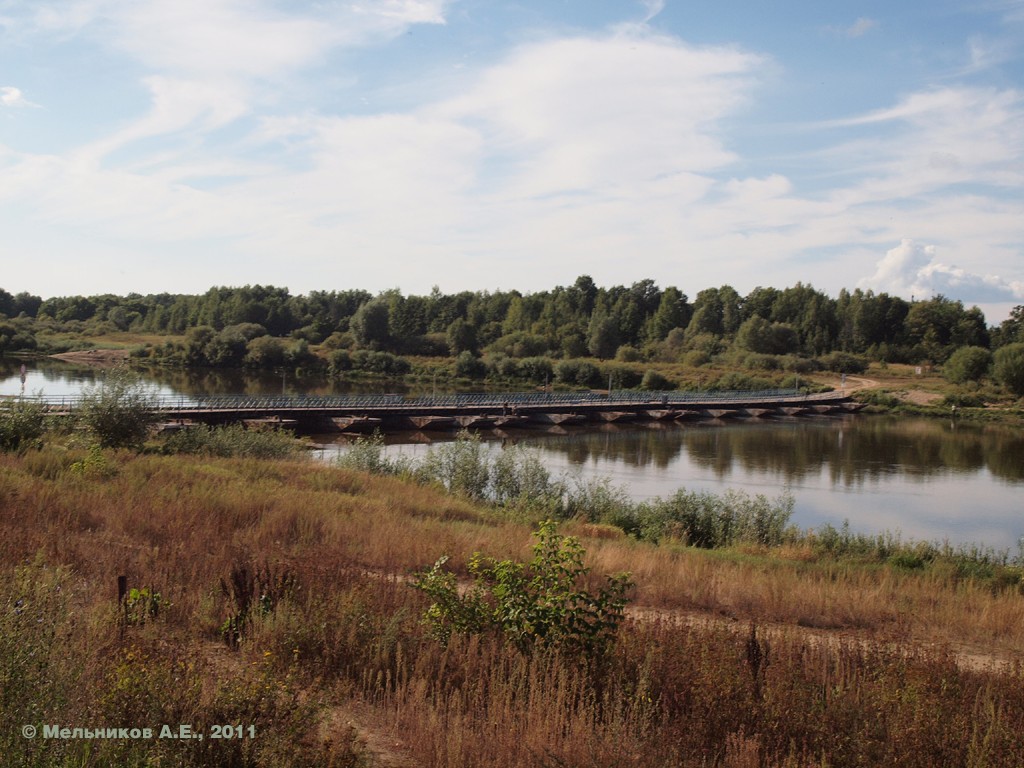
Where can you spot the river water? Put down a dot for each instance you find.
(924, 479)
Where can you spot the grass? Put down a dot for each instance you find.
(331, 623)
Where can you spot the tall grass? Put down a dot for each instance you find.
(515, 480)
(318, 558)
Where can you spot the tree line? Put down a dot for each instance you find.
(266, 325)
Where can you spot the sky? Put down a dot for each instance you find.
(172, 145)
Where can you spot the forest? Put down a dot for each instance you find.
(486, 332)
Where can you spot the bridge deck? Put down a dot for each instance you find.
(392, 409)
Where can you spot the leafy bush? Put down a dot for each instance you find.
(233, 440)
(967, 364)
(578, 372)
(540, 603)
(734, 381)
(1009, 367)
(469, 366)
(622, 376)
(22, 423)
(519, 344)
(460, 467)
(695, 358)
(383, 363)
(366, 454)
(119, 411)
(653, 380)
(537, 370)
(843, 362)
(628, 354)
(757, 361)
(704, 520)
(518, 477)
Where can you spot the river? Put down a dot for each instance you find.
(924, 479)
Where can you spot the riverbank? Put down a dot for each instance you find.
(276, 594)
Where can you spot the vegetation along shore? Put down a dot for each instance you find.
(469, 609)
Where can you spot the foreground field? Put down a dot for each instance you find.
(276, 595)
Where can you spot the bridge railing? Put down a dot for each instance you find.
(497, 400)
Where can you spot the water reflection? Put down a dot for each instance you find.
(851, 449)
(930, 479)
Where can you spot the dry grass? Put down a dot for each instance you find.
(322, 628)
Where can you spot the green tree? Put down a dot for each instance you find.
(120, 410)
(673, 312)
(604, 337)
(967, 364)
(370, 325)
(1009, 368)
(461, 337)
(1011, 330)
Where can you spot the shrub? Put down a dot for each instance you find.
(695, 358)
(578, 372)
(520, 344)
(628, 354)
(540, 603)
(460, 467)
(22, 423)
(757, 361)
(383, 363)
(1009, 367)
(843, 362)
(621, 376)
(734, 381)
(233, 440)
(537, 370)
(967, 364)
(120, 411)
(704, 520)
(653, 380)
(469, 366)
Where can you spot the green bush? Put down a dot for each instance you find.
(967, 364)
(233, 440)
(119, 411)
(536, 370)
(695, 358)
(707, 521)
(1009, 368)
(578, 372)
(383, 363)
(653, 380)
(843, 362)
(541, 603)
(469, 366)
(22, 423)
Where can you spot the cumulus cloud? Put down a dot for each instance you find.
(913, 269)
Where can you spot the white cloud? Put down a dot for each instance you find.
(599, 116)
(652, 8)
(13, 97)
(912, 269)
(607, 154)
(860, 27)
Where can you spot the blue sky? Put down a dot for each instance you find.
(171, 145)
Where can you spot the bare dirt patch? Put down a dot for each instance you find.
(919, 397)
(103, 358)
